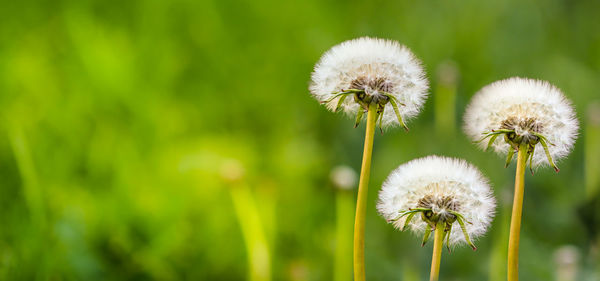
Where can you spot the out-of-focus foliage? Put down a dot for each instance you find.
(119, 119)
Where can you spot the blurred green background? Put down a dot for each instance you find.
(177, 140)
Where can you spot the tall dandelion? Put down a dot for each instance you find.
(535, 121)
(380, 78)
(447, 194)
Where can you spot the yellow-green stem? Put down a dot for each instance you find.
(342, 266)
(444, 105)
(497, 271)
(517, 211)
(592, 151)
(410, 269)
(361, 201)
(438, 243)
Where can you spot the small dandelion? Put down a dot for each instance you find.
(566, 260)
(386, 81)
(343, 177)
(375, 72)
(531, 115)
(232, 170)
(448, 193)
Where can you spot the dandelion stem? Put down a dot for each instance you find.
(517, 211)
(361, 202)
(438, 241)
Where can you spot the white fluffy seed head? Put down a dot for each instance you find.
(379, 65)
(436, 178)
(521, 99)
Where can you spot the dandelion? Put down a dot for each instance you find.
(447, 192)
(525, 111)
(386, 81)
(376, 72)
(532, 116)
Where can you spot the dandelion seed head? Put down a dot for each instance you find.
(232, 170)
(526, 106)
(442, 184)
(375, 66)
(343, 177)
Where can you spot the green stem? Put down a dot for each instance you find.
(497, 271)
(259, 260)
(592, 152)
(361, 202)
(444, 108)
(438, 241)
(517, 211)
(31, 188)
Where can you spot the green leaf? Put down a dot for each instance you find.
(359, 116)
(492, 139)
(397, 111)
(408, 219)
(531, 159)
(340, 102)
(448, 238)
(543, 142)
(426, 236)
(460, 219)
(511, 152)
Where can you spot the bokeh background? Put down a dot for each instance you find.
(177, 140)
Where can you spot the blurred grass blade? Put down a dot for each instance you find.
(257, 249)
(31, 188)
